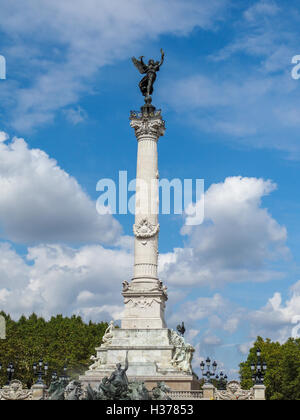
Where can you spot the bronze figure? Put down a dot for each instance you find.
(150, 69)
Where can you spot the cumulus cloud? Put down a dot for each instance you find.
(3, 136)
(41, 202)
(59, 279)
(79, 40)
(237, 242)
(218, 311)
(278, 320)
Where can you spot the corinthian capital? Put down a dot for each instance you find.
(152, 126)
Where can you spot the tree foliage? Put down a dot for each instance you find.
(282, 377)
(59, 341)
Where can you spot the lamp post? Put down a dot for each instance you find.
(54, 376)
(64, 377)
(258, 370)
(40, 369)
(222, 381)
(209, 374)
(10, 372)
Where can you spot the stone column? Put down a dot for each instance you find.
(145, 296)
(259, 392)
(208, 391)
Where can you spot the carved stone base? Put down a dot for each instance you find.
(144, 310)
(154, 355)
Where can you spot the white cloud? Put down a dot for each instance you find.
(41, 202)
(59, 279)
(75, 115)
(247, 95)
(212, 340)
(13, 271)
(252, 109)
(237, 242)
(258, 34)
(278, 320)
(245, 347)
(191, 334)
(3, 136)
(216, 313)
(79, 40)
(262, 8)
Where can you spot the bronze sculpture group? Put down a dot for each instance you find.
(116, 387)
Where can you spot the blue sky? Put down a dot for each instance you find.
(231, 111)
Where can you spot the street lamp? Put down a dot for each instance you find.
(64, 377)
(222, 381)
(54, 376)
(10, 372)
(258, 370)
(209, 373)
(40, 369)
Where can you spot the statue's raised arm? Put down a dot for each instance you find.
(126, 363)
(162, 57)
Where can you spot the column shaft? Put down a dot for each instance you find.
(145, 296)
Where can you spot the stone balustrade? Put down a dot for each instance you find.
(185, 395)
(16, 391)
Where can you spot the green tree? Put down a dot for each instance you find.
(59, 341)
(282, 378)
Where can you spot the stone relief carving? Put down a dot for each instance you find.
(108, 335)
(183, 354)
(15, 391)
(142, 302)
(234, 392)
(144, 229)
(98, 362)
(152, 126)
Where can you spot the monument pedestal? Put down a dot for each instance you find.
(150, 354)
(144, 308)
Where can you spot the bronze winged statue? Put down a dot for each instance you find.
(150, 69)
(181, 329)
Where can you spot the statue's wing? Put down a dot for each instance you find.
(139, 65)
